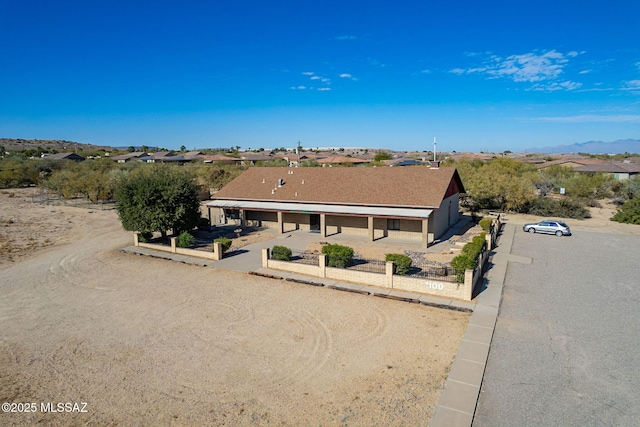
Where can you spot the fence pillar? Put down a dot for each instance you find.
(489, 239)
(265, 258)
(322, 263)
(217, 251)
(136, 241)
(468, 284)
(388, 270)
(173, 245)
(323, 225)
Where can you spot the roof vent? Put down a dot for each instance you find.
(303, 181)
(280, 182)
(434, 164)
(296, 194)
(273, 191)
(263, 180)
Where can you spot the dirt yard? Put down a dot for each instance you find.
(145, 341)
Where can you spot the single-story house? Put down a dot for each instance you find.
(417, 203)
(619, 170)
(341, 160)
(66, 156)
(123, 158)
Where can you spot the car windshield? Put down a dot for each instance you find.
(563, 224)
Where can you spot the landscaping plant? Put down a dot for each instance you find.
(338, 255)
(281, 253)
(402, 263)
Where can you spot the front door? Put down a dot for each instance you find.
(314, 222)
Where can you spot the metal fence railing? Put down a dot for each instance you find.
(368, 265)
(304, 257)
(440, 272)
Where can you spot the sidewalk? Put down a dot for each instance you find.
(458, 401)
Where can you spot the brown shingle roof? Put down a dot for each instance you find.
(612, 167)
(417, 186)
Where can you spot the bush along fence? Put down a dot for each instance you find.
(218, 248)
(395, 273)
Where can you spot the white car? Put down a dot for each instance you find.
(549, 226)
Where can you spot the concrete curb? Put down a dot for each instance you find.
(459, 398)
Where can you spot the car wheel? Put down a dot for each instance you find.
(531, 230)
(559, 233)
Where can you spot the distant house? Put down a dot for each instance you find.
(619, 170)
(249, 159)
(66, 156)
(123, 158)
(341, 160)
(570, 163)
(193, 155)
(221, 158)
(412, 203)
(163, 157)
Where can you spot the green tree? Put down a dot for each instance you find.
(158, 198)
(183, 148)
(131, 149)
(144, 148)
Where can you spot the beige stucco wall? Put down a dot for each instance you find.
(447, 214)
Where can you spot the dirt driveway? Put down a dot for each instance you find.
(150, 342)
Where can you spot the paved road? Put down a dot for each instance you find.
(566, 348)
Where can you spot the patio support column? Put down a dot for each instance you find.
(242, 217)
(425, 233)
(323, 225)
(280, 223)
(370, 227)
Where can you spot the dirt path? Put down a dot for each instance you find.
(150, 342)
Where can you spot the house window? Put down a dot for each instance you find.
(393, 224)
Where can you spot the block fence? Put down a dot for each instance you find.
(389, 280)
(215, 255)
(462, 291)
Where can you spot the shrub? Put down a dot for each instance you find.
(203, 223)
(185, 240)
(145, 236)
(338, 255)
(564, 208)
(226, 243)
(402, 263)
(281, 253)
(485, 223)
(629, 212)
(468, 258)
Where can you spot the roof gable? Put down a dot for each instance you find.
(415, 186)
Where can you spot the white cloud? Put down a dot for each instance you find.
(530, 67)
(298, 87)
(542, 68)
(585, 71)
(308, 73)
(346, 37)
(324, 88)
(620, 118)
(345, 76)
(315, 77)
(555, 86)
(425, 71)
(633, 86)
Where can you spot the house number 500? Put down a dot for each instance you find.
(434, 285)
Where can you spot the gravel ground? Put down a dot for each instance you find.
(145, 341)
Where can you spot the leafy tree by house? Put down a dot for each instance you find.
(629, 212)
(183, 148)
(382, 155)
(158, 198)
(131, 149)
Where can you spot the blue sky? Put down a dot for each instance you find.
(479, 76)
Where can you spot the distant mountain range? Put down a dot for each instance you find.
(592, 147)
